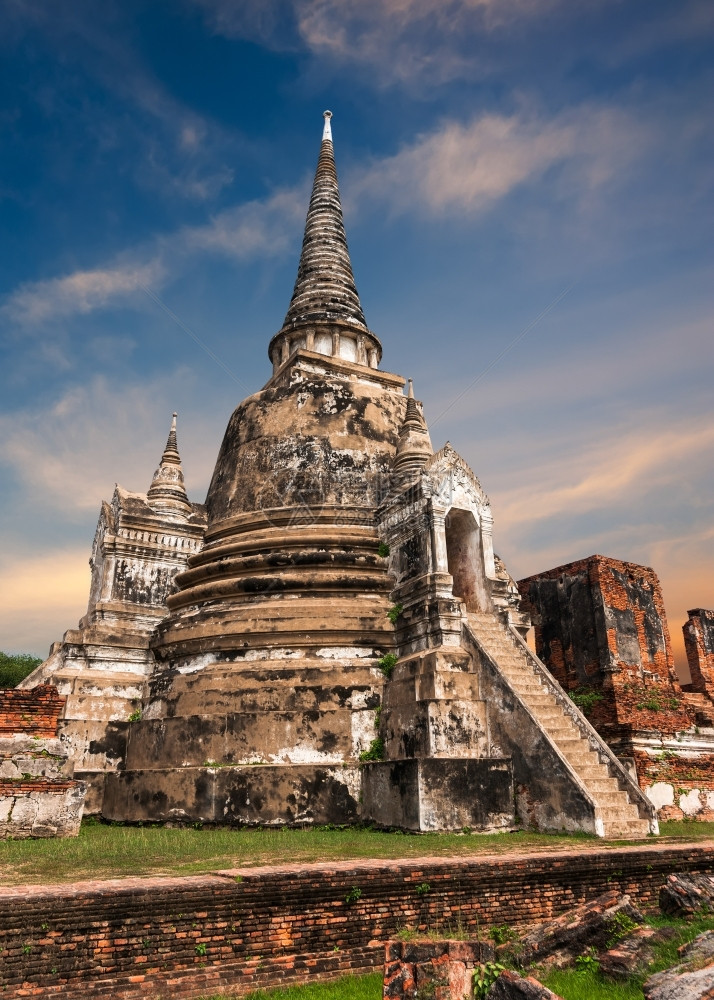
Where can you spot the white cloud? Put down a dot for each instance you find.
(71, 453)
(79, 292)
(470, 167)
(258, 228)
(255, 229)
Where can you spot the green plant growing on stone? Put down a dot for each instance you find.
(383, 550)
(374, 752)
(501, 933)
(201, 948)
(387, 663)
(135, 716)
(377, 716)
(394, 613)
(485, 975)
(423, 889)
(353, 895)
(586, 699)
(620, 926)
(587, 962)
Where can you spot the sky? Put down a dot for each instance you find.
(527, 187)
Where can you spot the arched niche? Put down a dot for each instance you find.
(464, 553)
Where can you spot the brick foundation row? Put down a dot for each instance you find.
(193, 937)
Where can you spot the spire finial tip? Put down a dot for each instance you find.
(411, 388)
(327, 131)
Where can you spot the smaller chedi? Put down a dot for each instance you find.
(332, 638)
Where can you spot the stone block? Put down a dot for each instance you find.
(439, 793)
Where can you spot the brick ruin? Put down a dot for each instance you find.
(601, 629)
(332, 638)
(38, 795)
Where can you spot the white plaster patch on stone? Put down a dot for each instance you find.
(344, 652)
(271, 654)
(350, 776)
(363, 730)
(690, 804)
(200, 663)
(302, 754)
(359, 699)
(660, 794)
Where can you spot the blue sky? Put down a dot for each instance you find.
(531, 177)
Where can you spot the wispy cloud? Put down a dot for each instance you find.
(260, 228)
(613, 470)
(75, 449)
(470, 167)
(80, 292)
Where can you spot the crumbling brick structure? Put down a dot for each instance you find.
(601, 629)
(699, 646)
(38, 797)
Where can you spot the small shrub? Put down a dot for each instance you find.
(353, 895)
(586, 699)
(423, 889)
(587, 962)
(388, 663)
(135, 716)
(620, 926)
(383, 550)
(201, 948)
(394, 613)
(375, 751)
(485, 975)
(501, 933)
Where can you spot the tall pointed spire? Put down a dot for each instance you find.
(167, 491)
(325, 299)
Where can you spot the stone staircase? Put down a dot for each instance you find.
(618, 815)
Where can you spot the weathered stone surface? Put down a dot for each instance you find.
(692, 979)
(683, 895)
(511, 986)
(439, 793)
(591, 925)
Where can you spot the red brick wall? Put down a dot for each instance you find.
(34, 712)
(191, 937)
(699, 645)
(601, 624)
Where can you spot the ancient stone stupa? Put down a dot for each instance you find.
(345, 602)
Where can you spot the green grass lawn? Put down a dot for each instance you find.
(348, 988)
(104, 851)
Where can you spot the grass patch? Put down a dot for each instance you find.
(348, 988)
(105, 851)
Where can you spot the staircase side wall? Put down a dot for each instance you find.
(548, 794)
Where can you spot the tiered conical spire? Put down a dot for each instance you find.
(325, 287)
(167, 491)
(414, 448)
(325, 313)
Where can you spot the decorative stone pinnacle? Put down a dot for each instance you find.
(411, 388)
(327, 130)
(167, 491)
